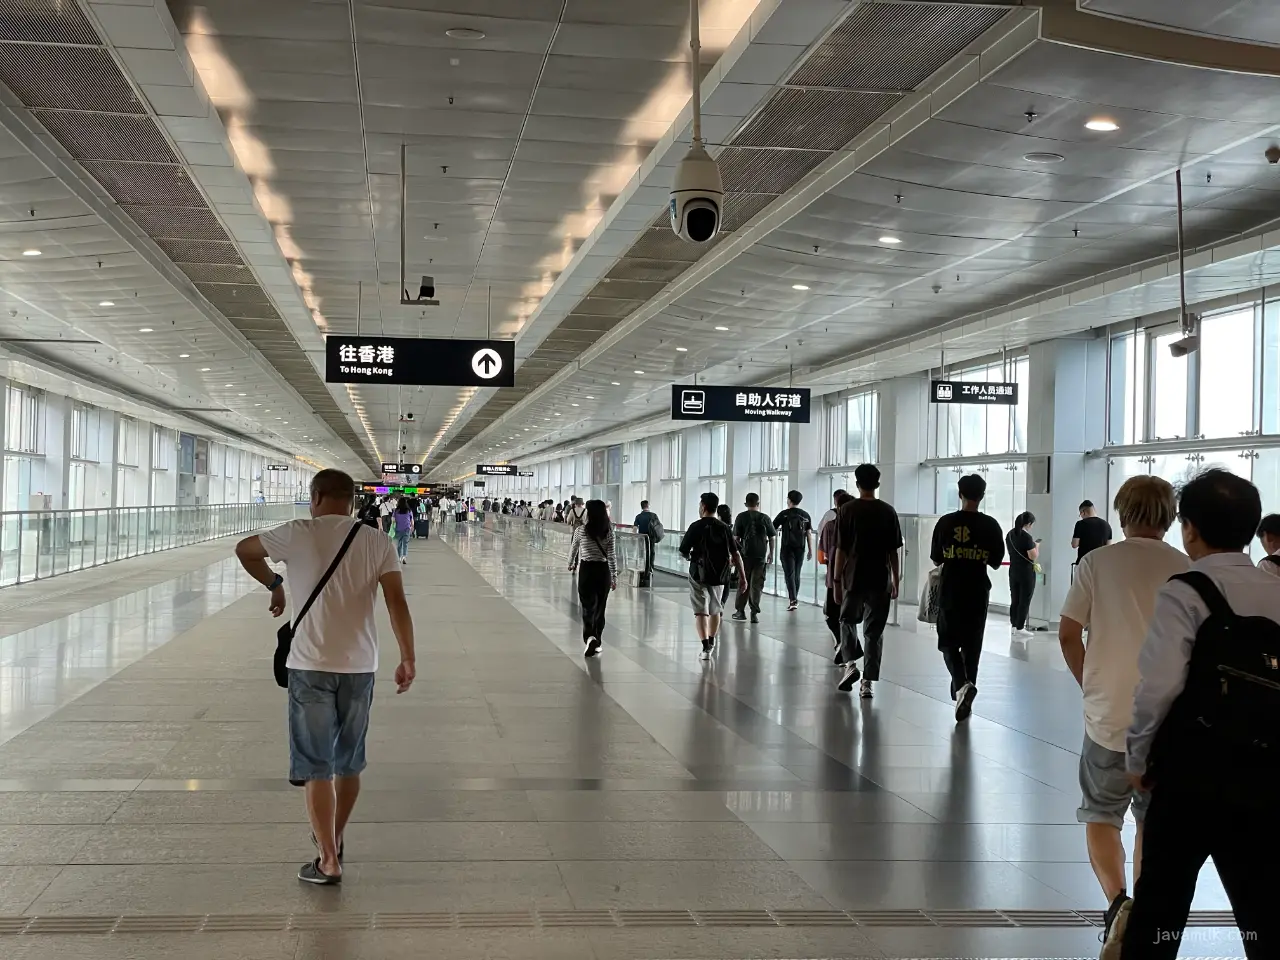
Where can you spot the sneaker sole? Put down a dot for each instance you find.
(1115, 936)
(964, 707)
(865, 693)
(846, 683)
(593, 647)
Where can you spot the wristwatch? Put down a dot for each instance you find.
(277, 582)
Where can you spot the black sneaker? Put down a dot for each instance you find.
(1114, 922)
(964, 702)
(851, 675)
(755, 618)
(738, 616)
(708, 645)
(593, 646)
(839, 658)
(792, 606)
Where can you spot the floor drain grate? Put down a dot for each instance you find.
(611, 918)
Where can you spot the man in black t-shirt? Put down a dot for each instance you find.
(1091, 531)
(796, 542)
(965, 544)
(754, 534)
(867, 575)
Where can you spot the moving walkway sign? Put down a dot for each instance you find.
(415, 361)
(409, 469)
(497, 470)
(960, 391)
(789, 404)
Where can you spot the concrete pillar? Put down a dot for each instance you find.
(738, 464)
(804, 457)
(1066, 416)
(904, 444)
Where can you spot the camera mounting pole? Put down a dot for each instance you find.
(405, 299)
(695, 68)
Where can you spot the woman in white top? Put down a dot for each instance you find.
(592, 555)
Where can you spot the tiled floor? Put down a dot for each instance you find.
(613, 808)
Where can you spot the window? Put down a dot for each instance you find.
(714, 438)
(23, 428)
(1128, 388)
(636, 472)
(770, 447)
(670, 456)
(129, 443)
(1226, 358)
(863, 432)
(1168, 388)
(835, 447)
(161, 449)
(969, 430)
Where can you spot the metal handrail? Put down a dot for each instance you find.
(38, 544)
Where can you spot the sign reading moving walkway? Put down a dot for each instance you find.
(497, 470)
(395, 469)
(790, 404)
(960, 391)
(411, 361)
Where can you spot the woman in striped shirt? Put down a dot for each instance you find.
(592, 555)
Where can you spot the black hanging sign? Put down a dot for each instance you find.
(789, 404)
(410, 361)
(964, 391)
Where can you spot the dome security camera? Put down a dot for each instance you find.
(697, 197)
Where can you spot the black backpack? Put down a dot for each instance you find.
(793, 527)
(1227, 717)
(713, 558)
(755, 535)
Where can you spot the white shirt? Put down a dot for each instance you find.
(387, 508)
(577, 515)
(1114, 596)
(1166, 654)
(338, 634)
(1270, 566)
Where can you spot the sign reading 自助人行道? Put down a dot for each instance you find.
(789, 404)
(411, 361)
(497, 470)
(961, 391)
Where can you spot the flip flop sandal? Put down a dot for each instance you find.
(311, 873)
(341, 847)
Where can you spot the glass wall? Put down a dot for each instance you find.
(972, 430)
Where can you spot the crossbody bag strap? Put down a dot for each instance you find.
(342, 552)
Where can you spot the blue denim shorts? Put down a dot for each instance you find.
(328, 721)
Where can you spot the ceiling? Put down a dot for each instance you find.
(809, 289)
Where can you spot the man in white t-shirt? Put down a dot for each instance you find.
(334, 654)
(1114, 596)
(577, 514)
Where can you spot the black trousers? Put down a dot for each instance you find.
(872, 612)
(960, 631)
(594, 584)
(1022, 584)
(792, 561)
(751, 591)
(831, 611)
(1182, 830)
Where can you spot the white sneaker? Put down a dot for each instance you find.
(964, 701)
(593, 646)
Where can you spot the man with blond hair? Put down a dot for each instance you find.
(1113, 597)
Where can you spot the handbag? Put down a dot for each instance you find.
(284, 636)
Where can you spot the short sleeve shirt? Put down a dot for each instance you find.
(338, 634)
(967, 544)
(868, 533)
(1092, 532)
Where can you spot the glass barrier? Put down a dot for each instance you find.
(555, 538)
(35, 545)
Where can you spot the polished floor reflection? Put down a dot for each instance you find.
(523, 802)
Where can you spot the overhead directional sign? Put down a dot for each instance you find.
(407, 468)
(961, 391)
(497, 470)
(525, 473)
(278, 467)
(410, 361)
(789, 404)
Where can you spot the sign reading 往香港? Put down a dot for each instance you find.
(789, 404)
(412, 361)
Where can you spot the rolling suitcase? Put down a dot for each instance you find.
(422, 526)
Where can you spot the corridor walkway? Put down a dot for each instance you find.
(521, 802)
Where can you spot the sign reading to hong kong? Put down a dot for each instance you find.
(960, 391)
(410, 361)
(790, 404)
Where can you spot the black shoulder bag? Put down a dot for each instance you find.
(284, 636)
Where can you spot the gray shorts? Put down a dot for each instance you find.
(1104, 783)
(705, 599)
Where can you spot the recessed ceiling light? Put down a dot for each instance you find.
(799, 286)
(682, 349)
(145, 330)
(106, 303)
(615, 383)
(723, 329)
(590, 398)
(890, 240)
(572, 405)
(1043, 157)
(464, 33)
(244, 394)
(33, 252)
(230, 384)
(639, 373)
(183, 356)
(1102, 125)
(205, 369)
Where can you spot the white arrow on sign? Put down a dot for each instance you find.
(486, 364)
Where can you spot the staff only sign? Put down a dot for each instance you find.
(960, 391)
(740, 403)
